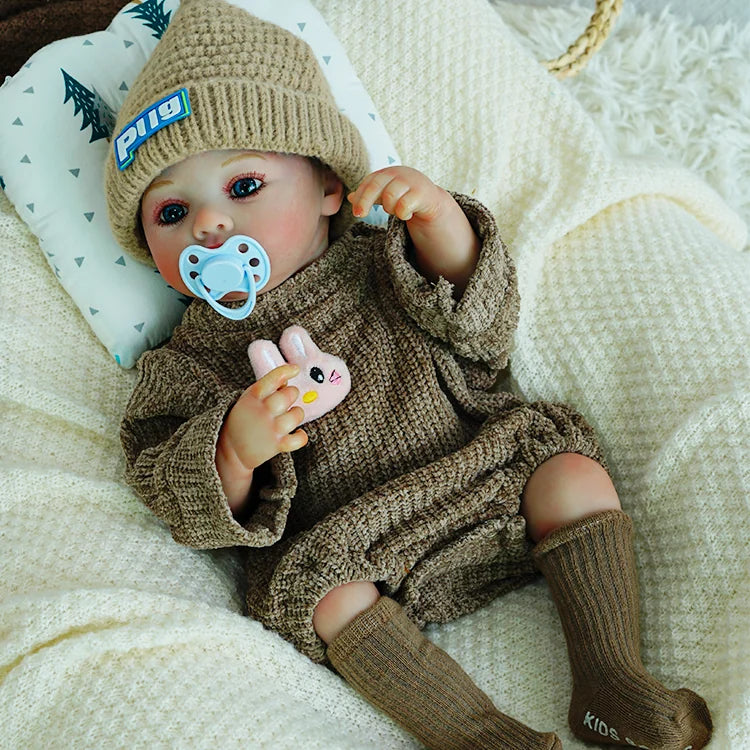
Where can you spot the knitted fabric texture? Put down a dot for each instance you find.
(252, 85)
(413, 481)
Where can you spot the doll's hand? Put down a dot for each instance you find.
(403, 192)
(444, 241)
(258, 427)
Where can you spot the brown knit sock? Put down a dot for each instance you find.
(385, 657)
(590, 568)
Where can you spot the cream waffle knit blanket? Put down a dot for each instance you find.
(635, 309)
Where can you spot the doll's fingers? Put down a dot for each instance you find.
(293, 442)
(397, 194)
(420, 200)
(367, 194)
(272, 381)
(288, 421)
(278, 402)
(406, 206)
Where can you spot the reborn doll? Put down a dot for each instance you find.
(415, 493)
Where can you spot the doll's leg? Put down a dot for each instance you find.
(585, 551)
(384, 656)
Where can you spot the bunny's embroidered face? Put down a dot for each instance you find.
(324, 379)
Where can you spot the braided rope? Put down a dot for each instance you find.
(581, 51)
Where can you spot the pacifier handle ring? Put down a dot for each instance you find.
(195, 260)
(229, 312)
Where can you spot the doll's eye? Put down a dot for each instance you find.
(172, 213)
(244, 186)
(317, 374)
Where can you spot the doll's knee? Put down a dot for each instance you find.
(563, 489)
(341, 605)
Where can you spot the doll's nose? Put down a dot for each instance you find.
(209, 221)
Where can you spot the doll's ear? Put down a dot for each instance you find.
(264, 357)
(333, 192)
(297, 345)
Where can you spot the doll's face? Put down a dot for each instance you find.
(283, 201)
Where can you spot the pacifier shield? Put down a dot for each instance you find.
(239, 265)
(222, 273)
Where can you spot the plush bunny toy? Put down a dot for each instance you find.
(323, 380)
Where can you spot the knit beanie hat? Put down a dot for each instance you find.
(250, 85)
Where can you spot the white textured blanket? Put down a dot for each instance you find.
(635, 309)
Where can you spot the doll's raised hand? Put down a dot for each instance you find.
(444, 241)
(403, 192)
(261, 424)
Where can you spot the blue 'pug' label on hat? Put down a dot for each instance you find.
(171, 108)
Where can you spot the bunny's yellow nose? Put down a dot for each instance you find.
(310, 396)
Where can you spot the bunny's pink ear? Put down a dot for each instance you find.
(297, 346)
(264, 357)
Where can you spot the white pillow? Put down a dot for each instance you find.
(57, 114)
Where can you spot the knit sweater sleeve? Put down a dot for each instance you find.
(480, 325)
(169, 435)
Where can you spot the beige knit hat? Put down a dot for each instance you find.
(251, 85)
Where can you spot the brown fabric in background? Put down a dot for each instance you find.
(28, 25)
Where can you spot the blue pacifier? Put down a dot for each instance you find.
(239, 265)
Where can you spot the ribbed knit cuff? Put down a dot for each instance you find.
(581, 528)
(361, 628)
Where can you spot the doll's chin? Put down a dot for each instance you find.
(241, 296)
(234, 297)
